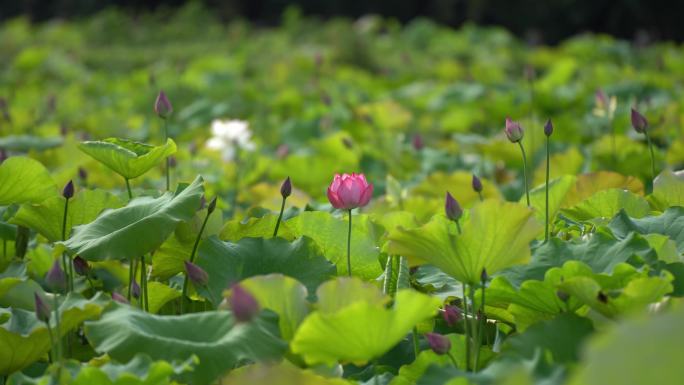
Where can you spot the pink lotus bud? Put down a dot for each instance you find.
(119, 298)
(417, 142)
(438, 343)
(483, 276)
(243, 304)
(173, 162)
(639, 122)
(42, 309)
(347, 192)
(81, 266)
(548, 128)
(68, 191)
(451, 315)
(55, 277)
(196, 274)
(135, 289)
(452, 209)
(286, 188)
(477, 184)
(162, 106)
(513, 131)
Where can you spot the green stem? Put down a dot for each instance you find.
(131, 277)
(59, 339)
(466, 328)
(453, 360)
(128, 187)
(349, 270)
(144, 304)
(192, 260)
(52, 343)
(458, 227)
(480, 329)
(66, 261)
(280, 217)
(474, 327)
(168, 162)
(650, 147)
(479, 193)
(546, 233)
(415, 342)
(527, 191)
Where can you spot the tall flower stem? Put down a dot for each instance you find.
(131, 277)
(527, 191)
(466, 328)
(479, 193)
(453, 359)
(349, 270)
(67, 266)
(546, 232)
(650, 148)
(192, 260)
(474, 328)
(128, 188)
(168, 161)
(144, 302)
(58, 345)
(480, 329)
(280, 218)
(53, 347)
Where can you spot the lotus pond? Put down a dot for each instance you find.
(342, 202)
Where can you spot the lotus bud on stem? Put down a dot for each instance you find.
(548, 130)
(441, 345)
(640, 125)
(514, 132)
(477, 186)
(285, 191)
(163, 109)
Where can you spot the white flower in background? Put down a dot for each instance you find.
(228, 136)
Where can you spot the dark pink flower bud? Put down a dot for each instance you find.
(438, 343)
(348, 192)
(42, 309)
(162, 106)
(135, 289)
(119, 298)
(483, 276)
(81, 266)
(173, 162)
(68, 191)
(639, 121)
(513, 131)
(196, 274)
(55, 277)
(243, 304)
(548, 128)
(451, 315)
(212, 205)
(477, 184)
(452, 209)
(286, 188)
(417, 142)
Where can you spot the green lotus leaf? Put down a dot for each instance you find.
(262, 227)
(606, 203)
(228, 262)
(160, 294)
(25, 143)
(668, 190)
(646, 350)
(361, 330)
(670, 223)
(136, 229)
(24, 180)
(282, 294)
(489, 240)
(127, 158)
(214, 337)
(558, 191)
(281, 374)
(47, 216)
(330, 233)
(24, 339)
(342, 292)
(434, 281)
(591, 183)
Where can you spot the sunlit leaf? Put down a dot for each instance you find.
(127, 158)
(24, 180)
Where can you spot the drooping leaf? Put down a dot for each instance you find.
(670, 223)
(47, 216)
(24, 180)
(159, 295)
(214, 337)
(127, 158)
(489, 240)
(137, 228)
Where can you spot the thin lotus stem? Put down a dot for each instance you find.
(128, 187)
(280, 217)
(466, 328)
(650, 147)
(480, 329)
(168, 161)
(66, 261)
(349, 270)
(131, 277)
(211, 295)
(458, 227)
(59, 339)
(453, 360)
(546, 233)
(474, 328)
(527, 191)
(144, 303)
(90, 282)
(479, 193)
(52, 344)
(415, 342)
(192, 260)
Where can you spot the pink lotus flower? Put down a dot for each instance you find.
(349, 191)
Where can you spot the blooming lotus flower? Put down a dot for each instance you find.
(228, 136)
(604, 107)
(348, 192)
(513, 131)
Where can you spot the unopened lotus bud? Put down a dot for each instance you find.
(639, 121)
(55, 277)
(212, 205)
(477, 184)
(417, 142)
(135, 289)
(82, 174)
(451, 315)
(548, 128)
(119, 298)
(243, 304)
(513, 130)
(452, 209)
(196, 274)
(81, 266)
(483, 276)
(42, 309)
(162, 106)
(438, 343)
(286, 188)
(68, 191)
(173, 162)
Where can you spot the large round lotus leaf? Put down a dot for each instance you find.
(24, 180)
(127, 158)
